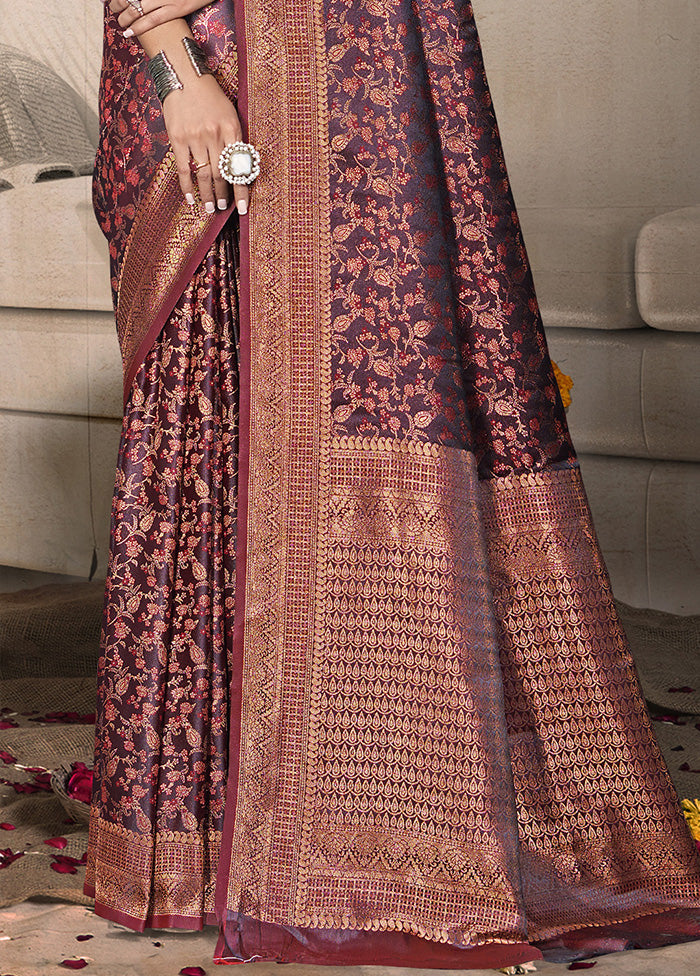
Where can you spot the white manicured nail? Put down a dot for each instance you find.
(209, 207)
(222, 204)
(128, 32)
(242, 207)
(190, 199)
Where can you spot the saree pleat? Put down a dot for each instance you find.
(364, 696)
(162, 723)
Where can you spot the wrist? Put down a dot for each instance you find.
(177, 67)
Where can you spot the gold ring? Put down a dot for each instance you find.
(199, 165)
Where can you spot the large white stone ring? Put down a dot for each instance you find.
(136, 5)
(239, 162)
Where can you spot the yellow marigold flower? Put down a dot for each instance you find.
(564, 383)
(691, 811)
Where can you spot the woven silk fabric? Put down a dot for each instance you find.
(364, 693)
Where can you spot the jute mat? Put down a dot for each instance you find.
(49, 640)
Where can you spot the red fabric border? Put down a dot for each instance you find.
(242, 514)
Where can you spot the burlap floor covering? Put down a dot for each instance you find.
(48, 654)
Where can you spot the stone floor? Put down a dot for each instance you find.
(35, 937)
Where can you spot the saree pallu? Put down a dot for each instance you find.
(364, 696)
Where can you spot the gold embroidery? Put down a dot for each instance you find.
(169, 873)
(602, 838)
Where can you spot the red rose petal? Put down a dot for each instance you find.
(8, 724)
(61, 868)
(73, 963)
(8, 856)
(7, 758)
(83, 938)
(678, 749)
(582, 965)
(7, 826)
(192, 971)
(59, 842)
(684, 767)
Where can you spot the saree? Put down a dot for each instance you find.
(363, 694)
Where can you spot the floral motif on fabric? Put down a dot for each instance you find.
(437, 332)
(162, 723)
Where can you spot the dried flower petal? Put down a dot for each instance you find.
(582, 965)
(685, 690)
(678, 749)
(8, 856)
(83, 938)
(7, 723)
(59, 842)
(8, 759)
(192, 971)
(73, 963)
(7, 826)
(62, 868)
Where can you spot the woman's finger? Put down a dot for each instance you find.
(222, 188)
(182, 160)
(241, 194)
(139, 25)
(204, 175)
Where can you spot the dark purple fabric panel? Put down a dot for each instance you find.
(438, 334)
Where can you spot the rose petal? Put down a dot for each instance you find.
(83, 938)
(61, 868)
(8, 724)
(582, 965)
(8, 857)
(678, 749)
(7, 758)
(7, 826)
(59, 842)
(73, 963)
(159, 945)
(192, 971)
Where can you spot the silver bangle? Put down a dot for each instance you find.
(198, 58)
(164, 75)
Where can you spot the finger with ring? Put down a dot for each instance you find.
(137, 6)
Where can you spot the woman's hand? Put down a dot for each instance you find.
(155, 13)
(200, 121)
(199, 117)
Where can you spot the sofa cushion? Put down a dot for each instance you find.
(54, 254)
(645, 518)
(667, 271)
(635, 394)
(61, 362)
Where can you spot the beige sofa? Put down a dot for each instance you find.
(598, 114)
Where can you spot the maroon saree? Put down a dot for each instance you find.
(364, 696)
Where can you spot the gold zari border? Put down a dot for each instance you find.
(170, 873)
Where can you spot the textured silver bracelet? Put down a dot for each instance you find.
(198, 58)
(164, 76)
